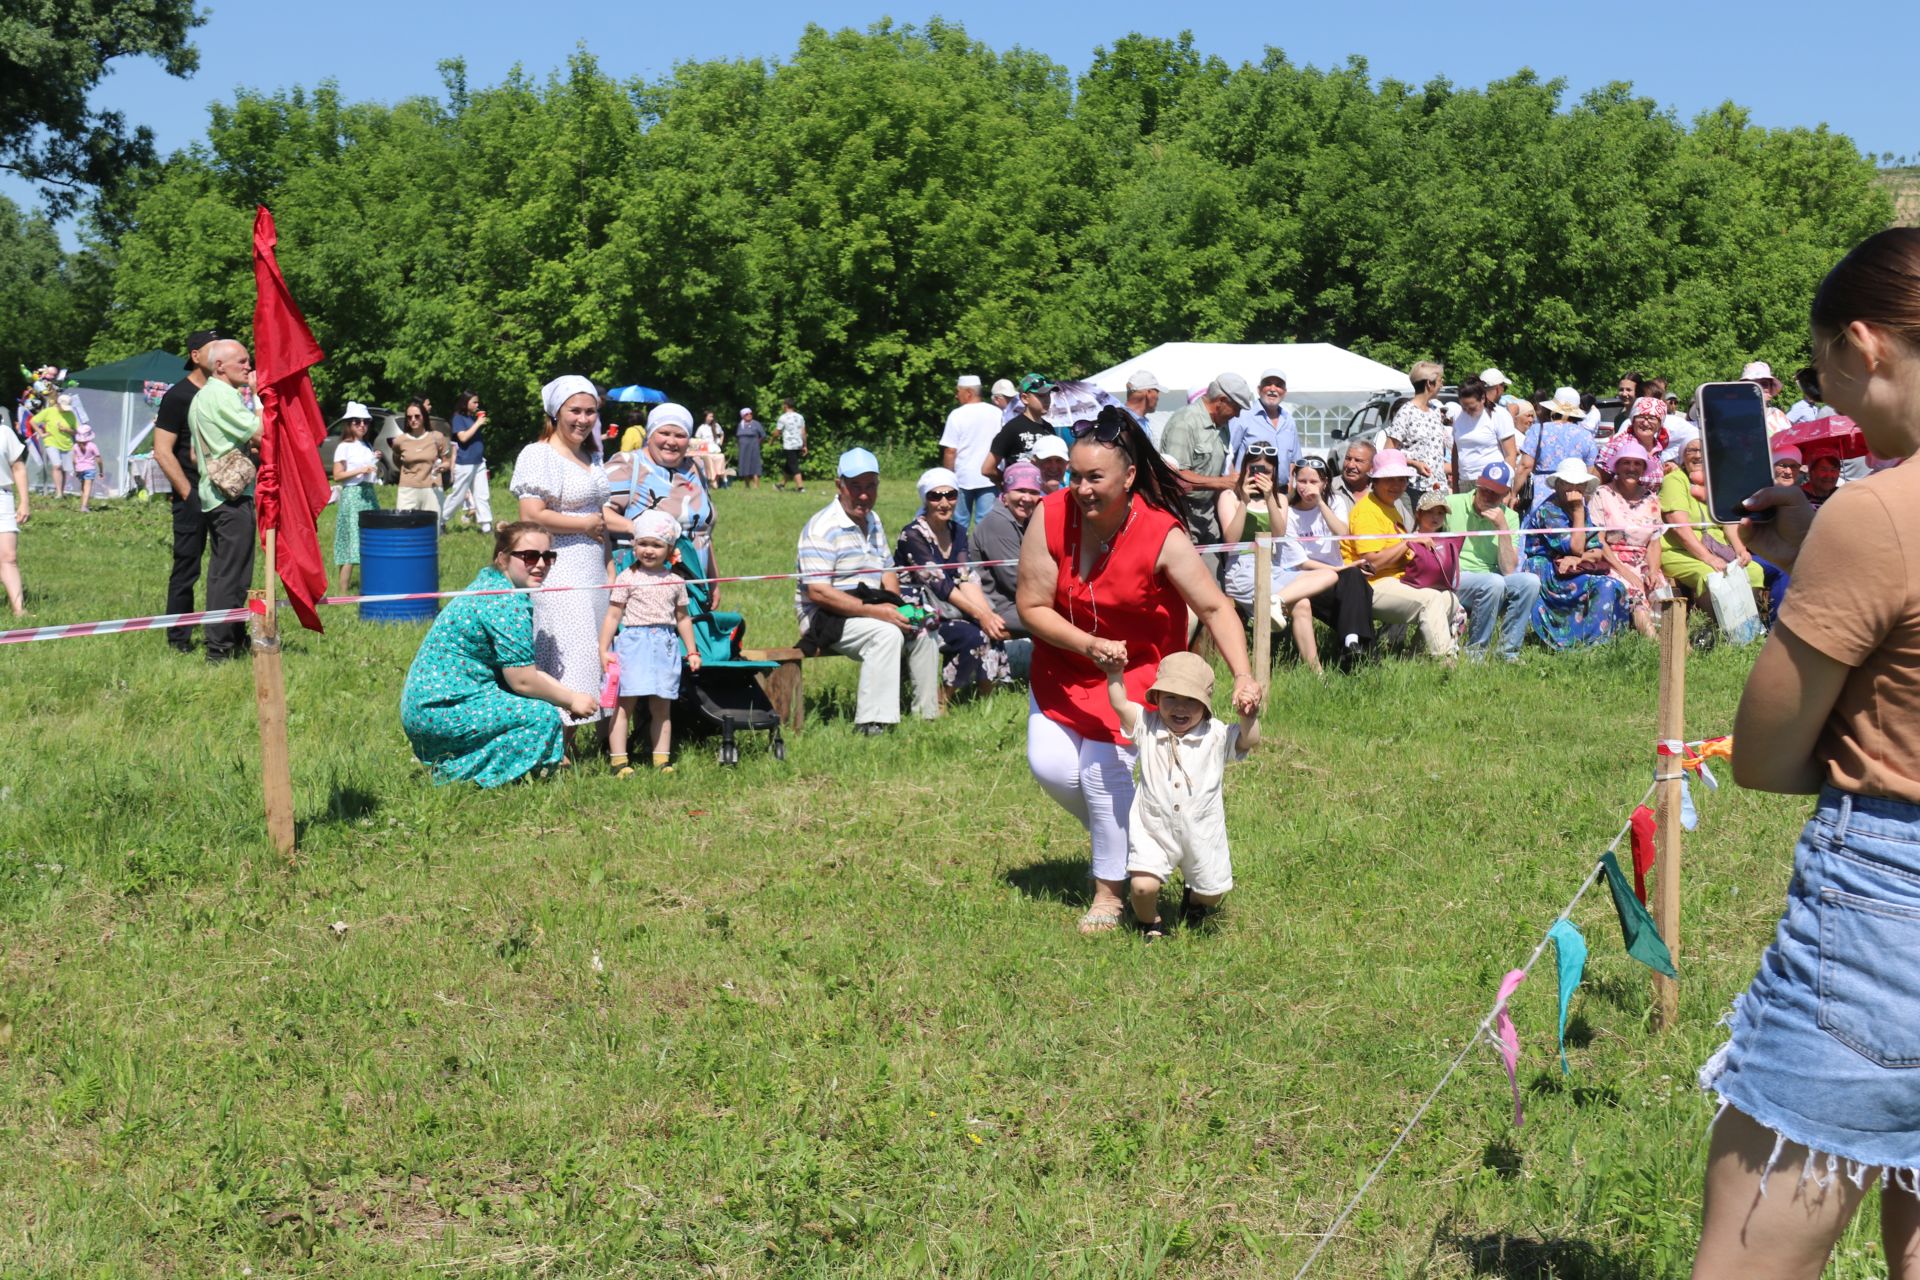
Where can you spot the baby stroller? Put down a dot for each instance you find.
(725, 692)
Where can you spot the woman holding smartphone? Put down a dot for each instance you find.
(1819, 1082)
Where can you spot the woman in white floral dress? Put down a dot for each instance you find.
(562, 488)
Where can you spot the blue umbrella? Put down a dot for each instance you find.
(636, 394)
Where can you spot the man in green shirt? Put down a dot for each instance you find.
(1491, 577)
(220, 422)
(1195, 442)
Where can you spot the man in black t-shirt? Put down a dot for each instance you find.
(173, 451)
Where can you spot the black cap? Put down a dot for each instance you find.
(198, 339)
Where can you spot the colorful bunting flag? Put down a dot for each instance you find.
(1636, 926)
(1507, 1039)
(1642, 824)
(1689, 816)
(1570, 950)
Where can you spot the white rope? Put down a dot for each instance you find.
(1486, 1024)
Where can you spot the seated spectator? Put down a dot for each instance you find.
(1348, 608)
(1823, 475)
(1580, 602)
(1376, 521)
(1688, 555)
(971, 635)
(1434, 564)
(849, 600)
(1628, 513)
(1493, 586)
(997, 538)
(475, 707)
(1050, 455)
(1251, 508)
(1786, 465)
(1557, 436)
(1647, 427)
(1356, 476)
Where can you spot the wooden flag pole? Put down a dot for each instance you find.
(1262, 607)
(1667, 828)
(270, 704)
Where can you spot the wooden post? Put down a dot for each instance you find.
(270, 706)
(1262, 606)
(1667, 829)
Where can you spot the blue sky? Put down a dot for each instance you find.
(1792, 64)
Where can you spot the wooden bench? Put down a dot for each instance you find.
(784, 686)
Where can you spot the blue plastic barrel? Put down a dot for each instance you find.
(399, 554)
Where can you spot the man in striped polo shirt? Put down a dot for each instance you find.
(845, 610)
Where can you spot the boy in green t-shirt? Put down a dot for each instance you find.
(1494, 584)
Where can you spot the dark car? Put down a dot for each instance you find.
(386, 425)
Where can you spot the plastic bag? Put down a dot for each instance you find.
(1732, 598)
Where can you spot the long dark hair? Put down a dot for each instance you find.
(1154, 478)
(426, 418)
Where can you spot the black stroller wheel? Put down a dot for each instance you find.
(779, 746)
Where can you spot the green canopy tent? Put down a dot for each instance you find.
(114, 400)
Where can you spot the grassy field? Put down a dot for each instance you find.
(827, 1017)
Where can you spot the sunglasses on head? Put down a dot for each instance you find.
(1105, 431)
(532, 558)
(944, 495)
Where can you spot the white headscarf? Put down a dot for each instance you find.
(658, 525)
(563, 389)
(935, 478)
(669, 414)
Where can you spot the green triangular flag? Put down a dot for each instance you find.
(1636, 926)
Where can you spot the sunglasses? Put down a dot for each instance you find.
(944, 495)
(533, 558)
(1105, 432)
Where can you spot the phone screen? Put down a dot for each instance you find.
(1733, 435)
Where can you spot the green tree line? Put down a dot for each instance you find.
(852, 226)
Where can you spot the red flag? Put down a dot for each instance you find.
(1642, 821)
(292, 486)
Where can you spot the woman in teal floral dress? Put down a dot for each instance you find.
(1580, 601)
(475, 707)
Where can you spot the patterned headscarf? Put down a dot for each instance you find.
(657, 525)
(1649, 407)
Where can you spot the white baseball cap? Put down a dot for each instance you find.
(1143, 380)
(1049, 447)
(1493, 377)
(1272, 375)
(1003, 387)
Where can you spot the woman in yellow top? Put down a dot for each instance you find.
(1689, 556)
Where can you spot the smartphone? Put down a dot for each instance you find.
(1733, 438)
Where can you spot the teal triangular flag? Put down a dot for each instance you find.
(1636, 926)
(1570, 949)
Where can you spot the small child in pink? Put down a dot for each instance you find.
(85, 460)
(648, 605)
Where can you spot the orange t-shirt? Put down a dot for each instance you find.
(1856, 598)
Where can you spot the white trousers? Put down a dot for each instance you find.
(877, 647)
(468, 479)
(417, 500)
(1090, 779)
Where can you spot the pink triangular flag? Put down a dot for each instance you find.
(1507, 1039)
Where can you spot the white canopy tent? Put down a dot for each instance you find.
(1325, 383)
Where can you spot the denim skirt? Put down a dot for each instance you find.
(1825, 1045)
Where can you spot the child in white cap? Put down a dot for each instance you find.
(1178, 819)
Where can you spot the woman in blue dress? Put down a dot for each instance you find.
(475, 707)
(1580, 601)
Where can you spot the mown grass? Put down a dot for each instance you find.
(826, 1017)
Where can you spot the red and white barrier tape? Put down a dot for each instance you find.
(78, 630)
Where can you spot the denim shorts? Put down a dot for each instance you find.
(1825, 1045)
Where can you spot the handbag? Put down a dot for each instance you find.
(1731, 596)
(232, 473)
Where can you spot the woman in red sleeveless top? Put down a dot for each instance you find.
(1107, 572)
